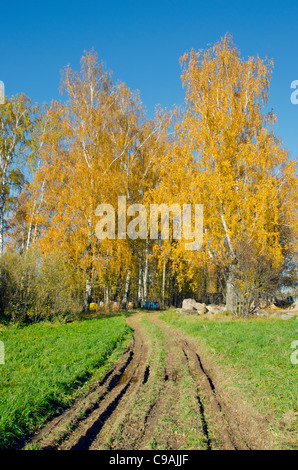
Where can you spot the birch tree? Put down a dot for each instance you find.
(241, 167)
(16, 124)
(97, 146)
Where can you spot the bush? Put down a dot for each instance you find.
(33, 288)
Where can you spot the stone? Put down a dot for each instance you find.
(188, 305)
(261, 313)
(201, 311)
(216, 308)
(191, 306)
(201, 307)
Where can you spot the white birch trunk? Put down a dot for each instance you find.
(1, 230)
(34, 214)
(145, 277)
(140, 286)
(231, 300)
(163, 283)
(127, 283)
(87, 295)
(106, 296)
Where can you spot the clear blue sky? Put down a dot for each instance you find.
(141, 42)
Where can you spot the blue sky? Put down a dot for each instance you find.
(141, 42)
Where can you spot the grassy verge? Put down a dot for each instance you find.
(255, 355)
(46, 366)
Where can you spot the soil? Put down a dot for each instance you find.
(152, 401)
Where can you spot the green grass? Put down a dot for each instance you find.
(256, 356)
(46, 366)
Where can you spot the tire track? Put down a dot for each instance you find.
(78, 426)
(205, 381)
(124, 385)
(107, 414)
(163, 410)
(56, 430)
(225, 425)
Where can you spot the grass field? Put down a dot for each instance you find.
(46, 365)
(255, 355)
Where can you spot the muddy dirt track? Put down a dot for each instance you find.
(161, 394)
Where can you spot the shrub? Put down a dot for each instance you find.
(33, 288)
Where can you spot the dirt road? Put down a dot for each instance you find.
(160, 394)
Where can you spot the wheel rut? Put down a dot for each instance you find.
(159, 395)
